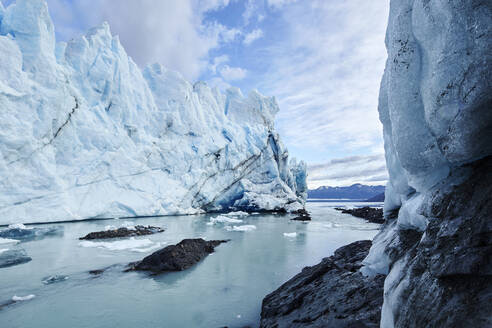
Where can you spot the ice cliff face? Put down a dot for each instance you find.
(85, 133)
(436, 107)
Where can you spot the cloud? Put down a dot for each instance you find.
(325, 74)
(252, 36)
(279, 3)
(166, 31)
(217, 61)
(232, 73)
(370, 169)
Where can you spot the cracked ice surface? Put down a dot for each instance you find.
(85, 133)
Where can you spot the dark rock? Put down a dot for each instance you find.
(446, 275)
(374, 215)
(303, 215)
(13, 257)
(176, 257)
(97, 272)
(123, 232)
(332, 293)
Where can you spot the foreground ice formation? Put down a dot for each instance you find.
(435, 105)
(85, 133)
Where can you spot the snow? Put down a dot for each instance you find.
(16, 298)
(84, 132)
(244, 228)
(132, 244)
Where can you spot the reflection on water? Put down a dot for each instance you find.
(224, 289)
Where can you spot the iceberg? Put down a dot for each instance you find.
(84, 132)
(435, 105)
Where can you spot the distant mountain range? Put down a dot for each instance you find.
(356, 191)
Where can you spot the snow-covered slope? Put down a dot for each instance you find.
(85, 133)
(436, 107)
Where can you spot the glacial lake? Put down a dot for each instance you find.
(225, 289)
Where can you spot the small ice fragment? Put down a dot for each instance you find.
(129, 225)
(246, 227)
(132, 244)
(223, 219)
(16, 298)
(290, 234)
(53, 279)
(238, 213)
(8, 241)
(238, 316)
(18, 226)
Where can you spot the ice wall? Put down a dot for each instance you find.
(436, 108)
(85, 133)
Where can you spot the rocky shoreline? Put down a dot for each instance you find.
(371, 214)
(332, 293)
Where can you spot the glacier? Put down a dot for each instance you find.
(435, 105)
(84, 133)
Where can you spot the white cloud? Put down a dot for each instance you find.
(252, 36)
(165, 31)
(217, 61)
(279, 3)
(326, 74)
(232, 73)
(370, 169)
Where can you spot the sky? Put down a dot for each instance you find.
(322, 60)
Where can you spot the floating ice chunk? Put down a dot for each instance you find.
(246, 227)
(132, 244)
(54, 279)
(4, 241)
(11, 257)
(290, 234)
(223, 219)
(130, 225)
(18, 226)
(20, 231)
(238, 213)
(16, 298)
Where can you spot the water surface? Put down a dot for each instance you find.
(225, 289)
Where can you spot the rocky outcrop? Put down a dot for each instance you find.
(138, 230)
(435, 105)
(302, 215)
(177, 257)
(332, 293)
(373, 215)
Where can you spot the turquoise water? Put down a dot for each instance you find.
(225, 289)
